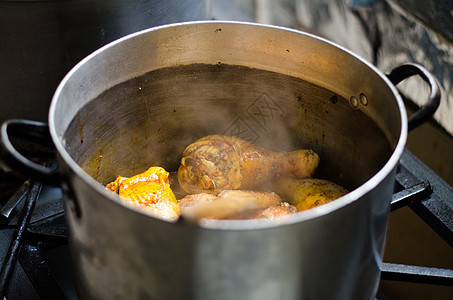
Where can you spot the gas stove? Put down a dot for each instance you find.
(43, 268)
(40, 245)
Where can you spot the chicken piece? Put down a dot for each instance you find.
(192, 200)
(215, 163)
(281, 210)
(307, 193)
(231, 204)
(150, 191)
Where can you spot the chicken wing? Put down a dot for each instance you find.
(307, 193)
(150, 191)
(215, 163)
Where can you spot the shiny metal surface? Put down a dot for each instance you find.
(143, 108)
(42, 40)
(6, 211)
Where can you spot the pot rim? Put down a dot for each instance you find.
(313, 213)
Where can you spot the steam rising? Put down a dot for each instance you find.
(148, 121)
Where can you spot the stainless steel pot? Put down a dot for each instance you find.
(140, 100)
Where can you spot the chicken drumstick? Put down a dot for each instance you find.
(215, 163)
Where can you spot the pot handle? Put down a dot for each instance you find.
(36, 133)
(426, 111)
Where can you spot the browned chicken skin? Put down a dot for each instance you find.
(215, 163)
(150, 191)
(309, 192)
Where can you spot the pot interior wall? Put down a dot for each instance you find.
(149, 120)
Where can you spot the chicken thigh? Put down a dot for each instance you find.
(150, 191)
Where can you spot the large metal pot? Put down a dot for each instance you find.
(140, 100)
